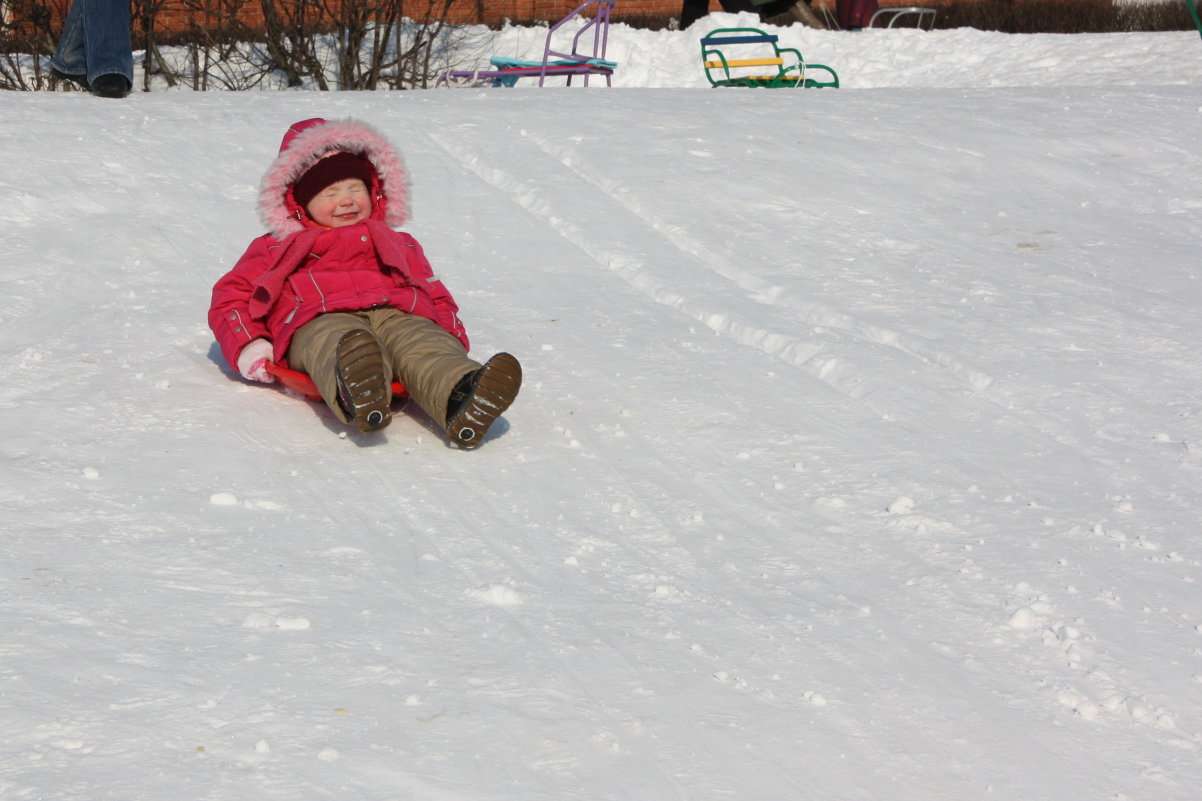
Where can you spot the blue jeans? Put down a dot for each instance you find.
(96, 41)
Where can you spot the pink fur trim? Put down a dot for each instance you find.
(310, 145)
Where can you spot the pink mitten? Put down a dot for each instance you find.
(252, 361)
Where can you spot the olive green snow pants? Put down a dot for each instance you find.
(428, 360)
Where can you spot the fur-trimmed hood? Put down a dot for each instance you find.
(308, 141)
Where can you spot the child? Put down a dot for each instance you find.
(332, 290)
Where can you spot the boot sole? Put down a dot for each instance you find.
(498, 385)
(362, 386)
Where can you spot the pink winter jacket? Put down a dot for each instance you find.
(300, 270)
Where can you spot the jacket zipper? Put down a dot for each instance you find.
(295, 308)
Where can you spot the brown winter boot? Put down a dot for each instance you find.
(362, 385)
(481, 397)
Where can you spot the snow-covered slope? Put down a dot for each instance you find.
(859, 454)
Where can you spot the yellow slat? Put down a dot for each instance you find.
(746, 62)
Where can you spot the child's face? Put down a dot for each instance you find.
(340, 204)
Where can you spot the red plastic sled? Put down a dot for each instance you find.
(300, 382)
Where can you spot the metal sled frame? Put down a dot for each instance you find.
(791, 72)
(586, 56)
(889, 16)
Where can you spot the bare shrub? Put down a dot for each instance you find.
(356, 44)
(321, 44)
(27, 40)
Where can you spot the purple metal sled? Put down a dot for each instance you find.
(580, 59)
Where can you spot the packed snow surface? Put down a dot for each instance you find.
(859, 456)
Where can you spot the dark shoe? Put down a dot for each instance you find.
(111, 85)
(802, 12)
(481, 397)
(798, 12)
(362, 385)
(79, 81)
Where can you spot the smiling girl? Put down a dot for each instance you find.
(334, 291)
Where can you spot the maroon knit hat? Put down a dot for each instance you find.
(329, 170)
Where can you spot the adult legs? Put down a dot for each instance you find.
(96, 42)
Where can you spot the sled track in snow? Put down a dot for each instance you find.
(652, 275)
(766, 293)
(940, 398)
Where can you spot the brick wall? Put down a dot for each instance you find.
(176, 16)
(521, 10)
